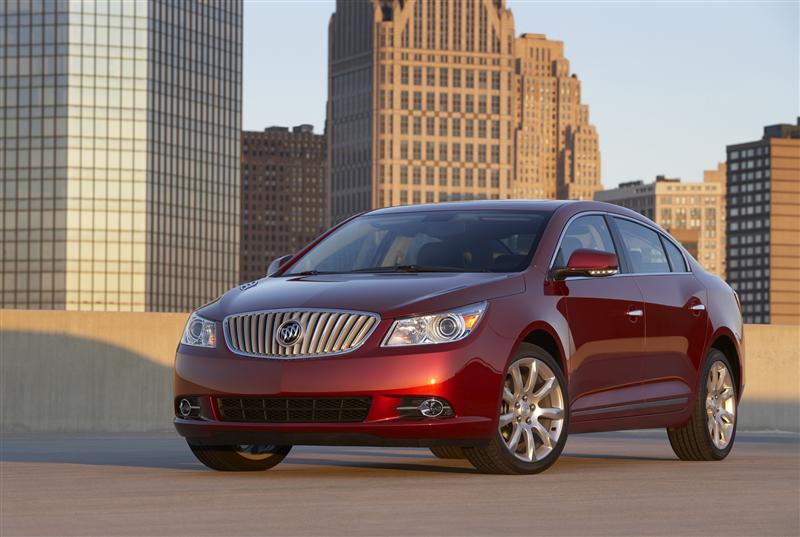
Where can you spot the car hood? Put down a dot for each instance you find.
(390, 295)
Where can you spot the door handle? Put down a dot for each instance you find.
(698, 307)
(635, 313)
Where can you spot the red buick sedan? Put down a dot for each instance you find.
(483, 330)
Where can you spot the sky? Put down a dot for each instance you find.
(668, 84)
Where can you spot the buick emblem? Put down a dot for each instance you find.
(289, 333)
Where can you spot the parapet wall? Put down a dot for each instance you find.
(75, 371)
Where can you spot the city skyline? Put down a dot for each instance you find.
(709, 73)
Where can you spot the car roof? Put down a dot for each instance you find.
(569, 206)
(515, 204)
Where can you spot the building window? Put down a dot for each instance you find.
(443, 77)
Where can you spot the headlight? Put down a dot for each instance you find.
(444, 327)
(199, 332)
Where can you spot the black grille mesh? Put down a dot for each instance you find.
(294, 409)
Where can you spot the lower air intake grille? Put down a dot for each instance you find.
(294, 409)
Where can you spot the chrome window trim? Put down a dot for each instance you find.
(618, 274)
(229, 345)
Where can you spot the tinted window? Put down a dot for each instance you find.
(643, 247)
(451, 241)
(676, 260)
(587, 232)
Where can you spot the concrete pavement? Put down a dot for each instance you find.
(604, 484)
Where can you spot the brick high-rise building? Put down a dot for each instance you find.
(557, 149)
(284, 195)
(764, 225)
(694, 213)
(120, 165)
(423, 99)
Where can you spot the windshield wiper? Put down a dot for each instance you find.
(310, 273)
(410, 268)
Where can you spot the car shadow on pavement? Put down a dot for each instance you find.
(406, 462)
(458, 467)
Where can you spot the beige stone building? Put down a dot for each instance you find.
(557, 149)
(430, 100)
(763, 186)
(693, 213)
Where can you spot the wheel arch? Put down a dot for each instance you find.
(545, 336)
(726, 343)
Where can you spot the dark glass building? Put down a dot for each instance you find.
(120, 153)
(284, 195)
(763, 227)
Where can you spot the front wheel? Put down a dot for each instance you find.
(709, 433)
(241, 458)
(533, 417)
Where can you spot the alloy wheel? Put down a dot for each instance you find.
(532, 410)
(720, 405)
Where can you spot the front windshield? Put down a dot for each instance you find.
(428, 241)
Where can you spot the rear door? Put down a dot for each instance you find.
(606, 328)
(675, 318)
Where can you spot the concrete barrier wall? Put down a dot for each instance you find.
(772, 378)
(92, 372)
(87, 371)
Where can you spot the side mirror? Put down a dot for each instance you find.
(590, 263)
(278, 263)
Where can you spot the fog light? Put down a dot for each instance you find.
(424, 407)
(431, 408)
(189, 407)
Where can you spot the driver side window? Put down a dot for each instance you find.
(586, 232)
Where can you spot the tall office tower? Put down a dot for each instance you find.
(557, 149)
(435, 100)
(420, 102)
(120, 153)
(764, 225)
(284, 195)
(693, 213)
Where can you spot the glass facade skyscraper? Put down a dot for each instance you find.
(120, 152)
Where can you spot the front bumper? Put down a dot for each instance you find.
(467, 374)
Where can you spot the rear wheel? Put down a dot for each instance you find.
(709, 433)
(241, 458)
(448, 452)
(533, 417)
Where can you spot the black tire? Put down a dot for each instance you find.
(692, 441)
(496, 458)
(448, 452)
(234, 459)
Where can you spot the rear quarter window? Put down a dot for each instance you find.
(676, 260)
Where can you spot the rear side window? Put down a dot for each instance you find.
(586, 232)
(643, 246)
(676, 260)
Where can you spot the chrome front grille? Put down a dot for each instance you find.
(322, 332)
